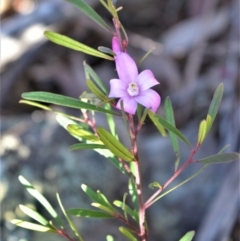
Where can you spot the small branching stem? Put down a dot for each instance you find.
(150, 201)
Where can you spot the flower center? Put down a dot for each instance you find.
(133, 89)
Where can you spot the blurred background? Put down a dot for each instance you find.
(196, 48)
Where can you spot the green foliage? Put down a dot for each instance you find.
(127, 233)
(90, 72)
(86, 146)
(156, 122)
(116, 147)
(100, 199)
(170, 118)
(76, 130)
(169, 127)
(109, 238)
(75, 45)
(63, 101)
(68, 219)
(90, 12)
(188, 236)
(32, 226)
(79, 212)
(95, 90)
(34, 215)
(215, 104)
(154, 185)
(127, 209)
(220, 158)
(36, 194)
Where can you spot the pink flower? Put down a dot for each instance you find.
(132, 88)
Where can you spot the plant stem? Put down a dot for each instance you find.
(141, 210)
(65, 235)
(150, 201)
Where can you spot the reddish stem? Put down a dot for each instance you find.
(141, 211)
(150, 201)
(65, 235)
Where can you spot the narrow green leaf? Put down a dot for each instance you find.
(127, 234)
(38, 196)
(170, 127)
(104, 208)
(202, 131)
(114, 145)
(215, 103)
(75, 45)
(188, 236)
(106, 50)
(154, 185)
(63, 101)
(34, 214)
(68, 219)
(157, 123)
(86, 146)
(126, 208)
(220, 158)
(132, 188)
(99, 198)
(32, 103)
(170, 118)
(95, 77)
(32, 226)
(224, 148)
(146, 55)
(111, 122)
(95, 90)
(87, 135)
(79, 212)
(208, 122)
(90, 12)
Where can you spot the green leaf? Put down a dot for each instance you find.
(127, 209)
(132, 188)
(170, 127)
(86, 146)
(202, 131)
(75, 45)
(111, 122)
(170, 118)
(95, 77)
(106, 50)
(104, 208)
(215, 104)
(79, 212)
(63, 101)
(33, 214)
(220, 158)
(38, 196)
(127, 234)
(109, 238)
(154, 184)
(90, 12)
(99, 198)
(87, 135)
(114, 145)
(32, 226)
(95, 90)
(68, 219)
(188, 236)
(157, 123)
(32, 103)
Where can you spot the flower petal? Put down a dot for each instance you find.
(146, 80)
(149, 98)
(118, 88)
(115, 45)
(129, 104)
(126, 67)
